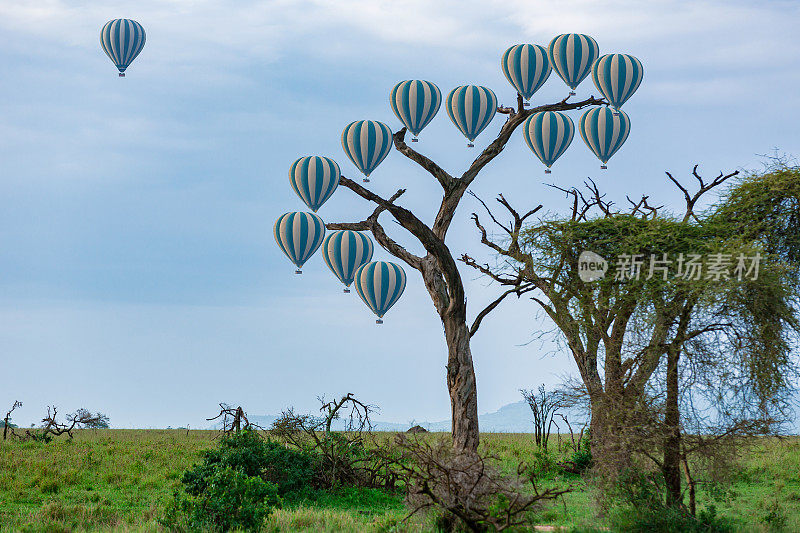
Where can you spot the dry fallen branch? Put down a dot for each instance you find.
(468, 487)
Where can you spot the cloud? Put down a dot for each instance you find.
(211, 40)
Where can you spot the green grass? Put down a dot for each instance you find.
(119, 480)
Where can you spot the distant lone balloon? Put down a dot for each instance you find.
(367, 143)
(415, 103)
(314, 179)
(299, 235)
(122, 40)
(617, 76)
(471, 108)
(344, 252)
(526, 67)
(572, 55)
(548, 134)
(380, 284)
(604, 132)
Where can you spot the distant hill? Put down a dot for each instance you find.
(512, 418)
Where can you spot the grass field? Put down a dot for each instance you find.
(119, 480)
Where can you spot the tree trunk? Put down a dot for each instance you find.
(672, 440)
(611, 447)
(451, 306)
(461, 384)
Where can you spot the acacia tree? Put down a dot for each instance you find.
(438, 267)
(620, 331)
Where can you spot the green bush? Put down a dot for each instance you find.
(247, 452)
(230, 500)
(238, 484)
(582, 456)
(543, 464)
(640, 508)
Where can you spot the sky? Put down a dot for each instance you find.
(138, 272)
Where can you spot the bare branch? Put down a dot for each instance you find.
(519, 291)
(691, 200)
(444, 179)
(515, 119)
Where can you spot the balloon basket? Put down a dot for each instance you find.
(547, 171)
(346, 290)
(121, 74)
(526, 104)
(379, 321)
(366, 180)
(616, 113)
(414, 140)
(298, 271)
(470, 145)
(603, 167)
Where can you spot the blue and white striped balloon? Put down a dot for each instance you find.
(299, 235)
(344, 252)
(122, 40)
(572, 55)
(415, 103)
(548, 135)
(604, 132)
(380, 285)
(314, 179)
(471, 108)
(526, 67)
(367, 143)
(617, 76)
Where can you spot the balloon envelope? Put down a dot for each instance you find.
(617, 76)
(122, 40)
(471, 108)
(367, 143)
(299, 235)
(548, 134)
(572, 55)
(314, 179)
(380, 284)
(604, 132)
(345, 251)
(415, 103)
(526, 67)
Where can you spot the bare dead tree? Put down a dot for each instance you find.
(350, 457)
(234, 419)
(438, 267)
(544, 405)
(7, 419)
(358, 419)
(51, 427)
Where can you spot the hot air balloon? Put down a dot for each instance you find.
(471, 108)
(367, 143)
(604, 132)
(526, 67)
(122, 40)
(572, 55)
(415, 103)
(314, 179)
(299, 235)
(548, 134)
(344, 252)
(617, 76)
(380, 285)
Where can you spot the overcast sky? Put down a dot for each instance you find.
(138, 272)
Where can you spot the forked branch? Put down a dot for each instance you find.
(691, 199)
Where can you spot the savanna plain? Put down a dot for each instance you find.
(121, 480)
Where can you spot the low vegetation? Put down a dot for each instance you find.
(126, 480)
